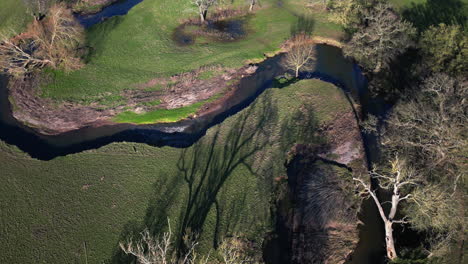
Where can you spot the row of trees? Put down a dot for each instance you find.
(425, 136)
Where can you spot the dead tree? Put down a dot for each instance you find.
(151, 250)
(203, 6)
(38, 8)
(400, 181)
(52, 41)
(379, 40)
(58, 36)
(252, 4)
(301, 54)
(234, 250)
(16, 59)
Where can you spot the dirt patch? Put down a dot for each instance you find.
(344, 140)
(50, 117)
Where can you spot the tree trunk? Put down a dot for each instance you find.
(297, 72)
(390, 243)
(203, 15)
(202, 18)
(251, 6)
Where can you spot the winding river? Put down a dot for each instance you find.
(331, 66)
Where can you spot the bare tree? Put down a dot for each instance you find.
(16, 58)
(431, 127)
(203, 6)
(399, 181)
(151, 250)
(52, 41)
(234, 250)
(252, 4)
(380, 39)
(301, 54)
(345, 12)
(58, 36)
(38, 8)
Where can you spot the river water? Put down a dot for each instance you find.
(330, 66)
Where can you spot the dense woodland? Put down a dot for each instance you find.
(415, 58)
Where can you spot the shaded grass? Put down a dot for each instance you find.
(48, 209)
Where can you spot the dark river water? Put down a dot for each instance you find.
(330, 66)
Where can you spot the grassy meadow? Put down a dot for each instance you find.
(77, 208)
(135, 48)
(13, 17)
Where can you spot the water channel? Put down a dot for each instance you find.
(331, 66)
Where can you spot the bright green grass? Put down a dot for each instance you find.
(48, 209)
(138, 47)
(13, 16)
(158, 116)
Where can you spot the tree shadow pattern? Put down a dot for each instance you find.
(304, 25)
(206, 167)
(202, 171)
(434, 12)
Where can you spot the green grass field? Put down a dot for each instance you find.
(13, 17)
(49, 210)
(147, 51)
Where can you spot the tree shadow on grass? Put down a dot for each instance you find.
(434, 12)
(206, 167)
(304, 25)
(203, 170)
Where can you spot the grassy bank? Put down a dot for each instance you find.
(13, 16)
(50, 210)
(138, 47)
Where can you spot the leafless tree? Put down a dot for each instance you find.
(203, 6)
(58, 36)
(38, 8)
(301, 54)
(345, 12)
(150, 250)
(400, 181)
(431, 127)
(252, 4)
(16, 58)
(234, 249)
(51, 41)
(382, 37)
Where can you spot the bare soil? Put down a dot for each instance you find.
(50, 117)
